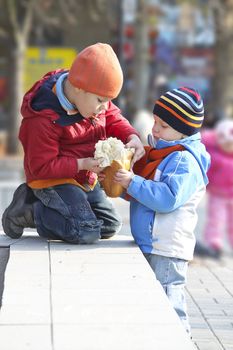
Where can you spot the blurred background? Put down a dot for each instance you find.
(160, 44)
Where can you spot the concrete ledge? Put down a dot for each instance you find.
(68, 297)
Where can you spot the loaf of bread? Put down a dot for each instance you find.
(114, 156)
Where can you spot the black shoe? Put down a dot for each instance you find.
(216, 253)
(107, 235)
(204, 251)
(19, 214)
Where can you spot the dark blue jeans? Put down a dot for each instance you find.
(66, 212)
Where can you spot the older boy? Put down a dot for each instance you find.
(64, 115)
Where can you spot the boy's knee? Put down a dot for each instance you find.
(67, 229)
(88, 232)
(109, 231)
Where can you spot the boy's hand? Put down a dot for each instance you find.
(90, 164)
(123, 177)
(134, 142)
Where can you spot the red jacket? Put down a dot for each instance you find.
(53, 140)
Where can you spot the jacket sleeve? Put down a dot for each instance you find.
(179, 181)
(41, 139)
(118, 126)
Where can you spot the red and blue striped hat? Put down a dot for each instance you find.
(182, 109)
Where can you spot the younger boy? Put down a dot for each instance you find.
(64, 115)
(165, 189)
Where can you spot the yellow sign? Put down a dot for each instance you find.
(39, 61)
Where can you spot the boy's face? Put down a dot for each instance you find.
(90, 105)
(161, 130)
(227, 147)
(225, 139)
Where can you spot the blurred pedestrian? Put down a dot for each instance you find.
(143, 122)
(64, 114)
(165, 188)
(219, 219)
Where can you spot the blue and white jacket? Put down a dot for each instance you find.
(163, 212)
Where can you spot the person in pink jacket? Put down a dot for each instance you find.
(219, 143)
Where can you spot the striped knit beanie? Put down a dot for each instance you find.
(182, 109)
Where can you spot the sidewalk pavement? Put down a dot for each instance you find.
(210, 302)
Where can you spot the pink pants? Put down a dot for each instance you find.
(219, 221)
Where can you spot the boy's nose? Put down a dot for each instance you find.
(155, 130)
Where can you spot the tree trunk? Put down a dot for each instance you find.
(141, 66)
(222, 105)
(228, 83)
(15, 91)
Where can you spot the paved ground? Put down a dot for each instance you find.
(210, 303)
(209, 293)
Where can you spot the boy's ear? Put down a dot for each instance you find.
(76, 89)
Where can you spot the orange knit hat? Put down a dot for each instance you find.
(96, 69)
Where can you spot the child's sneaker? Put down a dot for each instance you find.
(208, 252)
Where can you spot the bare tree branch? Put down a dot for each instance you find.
(69, 10)
(96, 9)
(29, 10)
(43, 14)
(12, 11)
(3, 33)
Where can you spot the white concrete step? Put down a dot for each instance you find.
(67, 297)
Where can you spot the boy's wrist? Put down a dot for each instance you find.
(130, 180)
(132, 136)
(80, 164)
